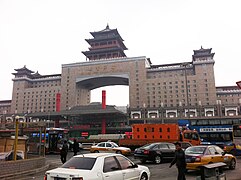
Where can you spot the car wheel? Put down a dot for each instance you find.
(144, 176)
(232, 164)
(158, 159)
(118, 152)
(96, 151)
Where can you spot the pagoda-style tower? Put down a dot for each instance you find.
(105, 44)
(23, 72)
(202, 55)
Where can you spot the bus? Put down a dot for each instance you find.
(52, 140)
(220, 135)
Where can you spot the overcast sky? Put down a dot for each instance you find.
(44, 34)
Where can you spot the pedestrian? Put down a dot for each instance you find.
(180, 161)
(75, 147)
(64, 152)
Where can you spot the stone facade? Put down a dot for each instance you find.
(169, 90)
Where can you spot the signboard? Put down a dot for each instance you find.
(209, 129)
(84, 134)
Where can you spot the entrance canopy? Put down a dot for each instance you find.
(92, 112)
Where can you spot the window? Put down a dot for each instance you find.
(80, 163)
(124, 163)
(219, 150)
(110, 164)
(155, 147)
(172, 146)
(212, 151)
(101, 145)
(108, 145)
(163, 146)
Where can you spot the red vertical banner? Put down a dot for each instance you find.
(103, 124)
(103, 99)
(58, 96)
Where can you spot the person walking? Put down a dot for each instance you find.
(75, 147)
(64, 152)
(180, 162)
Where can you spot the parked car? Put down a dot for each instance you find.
(99, 166)
(110, 147)
(155, 152)
(197, 156)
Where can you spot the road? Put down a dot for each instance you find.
(158, 171)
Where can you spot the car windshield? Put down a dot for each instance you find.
(84, 163)
(195, 150)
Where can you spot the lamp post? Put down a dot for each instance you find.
(186, 84)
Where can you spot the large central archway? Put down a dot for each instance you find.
(97, 81)
(79, 79)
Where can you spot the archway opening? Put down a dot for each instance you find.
(117, 95)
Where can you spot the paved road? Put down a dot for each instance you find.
(158, 172)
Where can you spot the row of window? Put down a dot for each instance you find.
(103, 43)
(165, 104)
(176, 82)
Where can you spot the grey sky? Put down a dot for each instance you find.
(43, 34)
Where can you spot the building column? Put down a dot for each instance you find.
(103, 123)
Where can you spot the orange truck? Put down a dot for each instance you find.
(149, 133)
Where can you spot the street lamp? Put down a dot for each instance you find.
(185, 65)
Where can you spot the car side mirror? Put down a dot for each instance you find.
(135, 166)
(223, 153)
